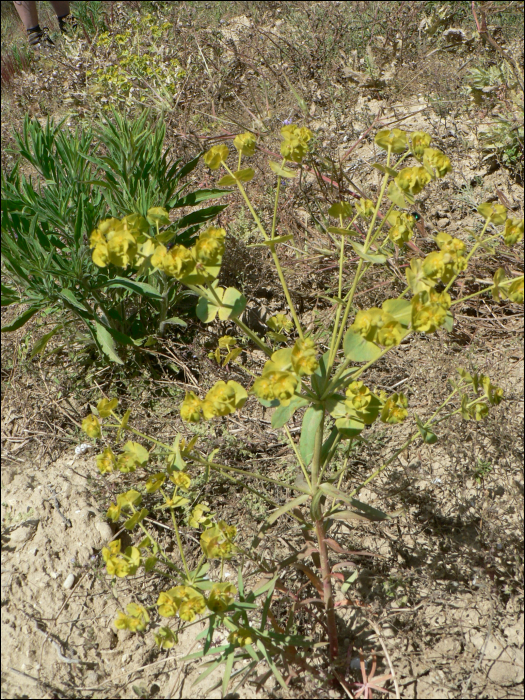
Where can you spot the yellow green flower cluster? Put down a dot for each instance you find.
(413, 180)
(365, 208)
(393, 139)
(242, 637)
(217, 541)
(395, 409)
(279, 323)
(378, 326)
(245, 143)
(118, 564)
(281, 374)
(216, 155)
(360, 404)
(440, 265)
(136, 620)
(419, 141)
(222, 399)
(429, 310)
(184, 600)
(187, 602)
(513, 232)
(118, 241)
(295, 142)
(193, 265)
(402, 228)
(123, 242)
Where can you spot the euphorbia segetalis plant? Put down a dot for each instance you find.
(331, 385)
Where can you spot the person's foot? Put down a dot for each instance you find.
(67, 25)
(39, 37)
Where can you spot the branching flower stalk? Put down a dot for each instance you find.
(337, 403)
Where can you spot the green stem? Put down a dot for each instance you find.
(316, 460)
(482, 291)
(474, 248)
(203, 292)
(179, 543)
(357, 277)
(274, 255)
(301, 463)
(254, 475)
(333, 384)
(407, 442)
(330, 455)
(253, 336)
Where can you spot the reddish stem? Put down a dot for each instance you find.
(327, 591)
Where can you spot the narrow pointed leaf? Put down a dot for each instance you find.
(138, 287)
(21, 320)
(41, 343)
(287, 507)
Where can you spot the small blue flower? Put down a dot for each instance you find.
(287, 121)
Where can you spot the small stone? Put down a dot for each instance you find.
(69, 582)
(442, 223)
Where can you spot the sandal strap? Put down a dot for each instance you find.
(39, 36)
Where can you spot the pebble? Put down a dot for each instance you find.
(69, 582)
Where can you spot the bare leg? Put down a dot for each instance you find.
(61, 7)
(28, 13)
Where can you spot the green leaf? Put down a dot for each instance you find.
(9, 296)
(396, 195)
(194, 198)
(371, 513)
(282, 415)
(426, 433)
(311, 422)
(206, 311)
(269, 404)
(358, 349)
(106, 342)
(21, 320)
(227, 181)
(139, 452)
(287, 506)
(234, 302)
(282, 172)
(139, 287)
(40, 344)
(343, 231)
(69, 297)
(400, 309)
(348, 516)
(328, 444)
(449, 322)
(245, 175)
(272, 666)
(227, 672)
(136, 518)
(349, 427)
(195, 217)
(176, 321)
(272, 242)
(385, 169)
(278, 239)
(319, 377)
(277, 337)
(375, 258)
